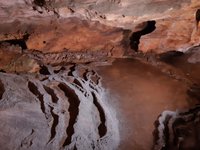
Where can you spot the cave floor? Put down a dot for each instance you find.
(140, 92)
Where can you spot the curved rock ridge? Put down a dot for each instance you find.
(178, 130)
(60, 108)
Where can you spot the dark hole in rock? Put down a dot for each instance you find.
(197, 17)
(39, 2)
(2, 90)
(19, 42)
(44, 70)
(3, 71)
(44, 42)
(169, 56)
(135, 37)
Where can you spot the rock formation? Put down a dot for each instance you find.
(51, 93)
(178, 130)
(60, 108)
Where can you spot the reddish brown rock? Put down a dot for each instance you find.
(74, 34)
(175, 31)
(13, 60)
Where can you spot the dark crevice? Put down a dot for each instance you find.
(3, 71)
(40, 3)
(168, 57)
(192, 110)
(197, 18)
(77, 83)
(166, 132)
(51, 93)
(33, 88)
(71, 70)
(2, 89)
(73, 110)
(156, 133)
(75, 147)
(61, 69)
(102, 127)
(135, 37)
(44, 70)
(20, 42)
(85, 75)
(46, 78)
(27, 141)
(95, 79)
(54, 125)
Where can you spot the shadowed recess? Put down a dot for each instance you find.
(197, 17)
(135, 37)
(2, 89)
(20, 42)
(54, 124)
(39, 2)
(71, 70)
(44, 70)
(33, 88)
(73, 110)
(51, 93)
(102, 127)
(168, 57)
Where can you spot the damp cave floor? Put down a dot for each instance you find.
(139, 93)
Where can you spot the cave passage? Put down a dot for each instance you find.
(135, 37)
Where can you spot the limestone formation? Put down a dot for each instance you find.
(60, 108)
(178, 130)
(52, 96)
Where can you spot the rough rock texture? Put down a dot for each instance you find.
(60, 108)
(178, 130)
(12, 59)
(99, 25)
(49, 102)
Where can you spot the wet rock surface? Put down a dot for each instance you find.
(142, 92)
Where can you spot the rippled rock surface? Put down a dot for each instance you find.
(60, 108)
(178, 130)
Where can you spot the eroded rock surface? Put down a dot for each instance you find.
(178, 130)
(46, 103)
(63, 109)
(99, 25)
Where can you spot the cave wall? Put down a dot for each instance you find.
(55, 25)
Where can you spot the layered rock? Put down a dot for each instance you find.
(99, 25)
(175, 31)
(178, 130)
(60, 108)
